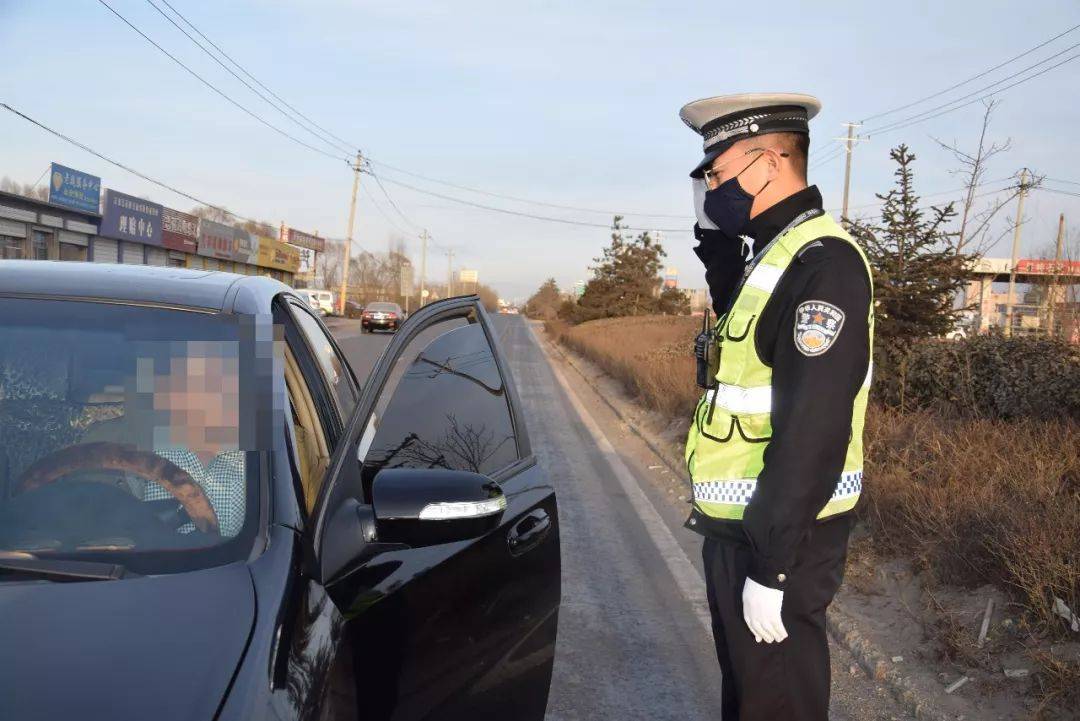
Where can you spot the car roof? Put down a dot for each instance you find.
(141, 284)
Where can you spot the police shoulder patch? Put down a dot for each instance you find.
(817, 325)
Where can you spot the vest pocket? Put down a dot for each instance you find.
(738, 326)
(753, 428)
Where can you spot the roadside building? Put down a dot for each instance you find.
(80, 223)
(40, 230)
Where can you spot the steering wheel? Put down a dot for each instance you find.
(120, 457)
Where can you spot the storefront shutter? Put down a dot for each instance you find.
(105, 250)
(156, 256)
(132, 253)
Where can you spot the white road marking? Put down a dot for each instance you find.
(687, 578)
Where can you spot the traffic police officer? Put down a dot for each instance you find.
(775, 448)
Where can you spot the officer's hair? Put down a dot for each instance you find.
(797, 146)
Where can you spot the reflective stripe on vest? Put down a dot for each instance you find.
(732, 426)
(738, 492)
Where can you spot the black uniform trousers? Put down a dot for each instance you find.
(786, 681)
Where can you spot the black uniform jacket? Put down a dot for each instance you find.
(812, 394)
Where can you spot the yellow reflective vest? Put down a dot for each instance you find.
(725, 449)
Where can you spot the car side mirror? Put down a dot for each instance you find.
(425, 506)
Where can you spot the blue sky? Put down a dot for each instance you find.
(570, 103)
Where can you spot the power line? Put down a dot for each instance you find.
(120, 165)
(973, 77)
(219, 92)
(246, 83)
(1059, 192)
(1059, 180)
(826, 160)
(918, 118)
(391, 200)
(525, 200)
(940, 193)
(383, 213)
(344, 143)
(548, 218)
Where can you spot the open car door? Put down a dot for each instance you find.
(437, 535)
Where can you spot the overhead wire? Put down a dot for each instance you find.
(519, 199)
(968, 80)
(924, 116)
(246, 84)
(548, 218)
(391, 200)
(345, 143)
(213, 87)
(122, 166)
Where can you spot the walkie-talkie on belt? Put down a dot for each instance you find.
(704, 353)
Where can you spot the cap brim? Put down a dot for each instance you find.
(710, 156)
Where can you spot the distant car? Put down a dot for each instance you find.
(310, 545)
(324, 300)
(511, 311)
(312, 300)
(353, 309)
(382, 316)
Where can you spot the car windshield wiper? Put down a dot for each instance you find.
(63, 569)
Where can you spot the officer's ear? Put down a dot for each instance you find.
(774, 157)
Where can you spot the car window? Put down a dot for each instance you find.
(334, 370)
(92, 397)
(449, 409)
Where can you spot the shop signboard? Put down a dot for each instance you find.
(280, 256)
(216, 240)
(179, 231)
(74, 189)
(1047, 266)
(126, 217)
(300, 239)
(246, 246)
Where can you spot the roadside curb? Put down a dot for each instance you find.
(844, 631)
(842, 627)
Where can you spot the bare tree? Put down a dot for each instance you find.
(972, 169)
(37, 192)
(974, 235)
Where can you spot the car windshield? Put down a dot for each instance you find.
(383, 307)
(121, 434)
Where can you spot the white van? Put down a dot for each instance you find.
(321, 301)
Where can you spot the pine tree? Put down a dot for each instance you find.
(626, 280)
(544, 303)
(917, 270)
(917, 273)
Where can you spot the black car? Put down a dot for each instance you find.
(204, 513)
(353, 309)
(381, 316)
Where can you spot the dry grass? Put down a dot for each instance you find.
(972, 501)
(979, 501)
(650, 355)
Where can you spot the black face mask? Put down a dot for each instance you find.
(728, 205)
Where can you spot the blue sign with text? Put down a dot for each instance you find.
(126, 217)
(72, 189)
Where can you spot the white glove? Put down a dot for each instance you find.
(699, 204)
(761, 611)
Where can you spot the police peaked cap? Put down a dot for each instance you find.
(724, 120)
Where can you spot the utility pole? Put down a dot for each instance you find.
(449, 272)
(348, 235)
(1054, 281)
(423, 266)
(849, 144)
(1015, 254)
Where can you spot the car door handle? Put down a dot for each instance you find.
(529, 532)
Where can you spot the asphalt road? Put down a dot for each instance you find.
(633, 643)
